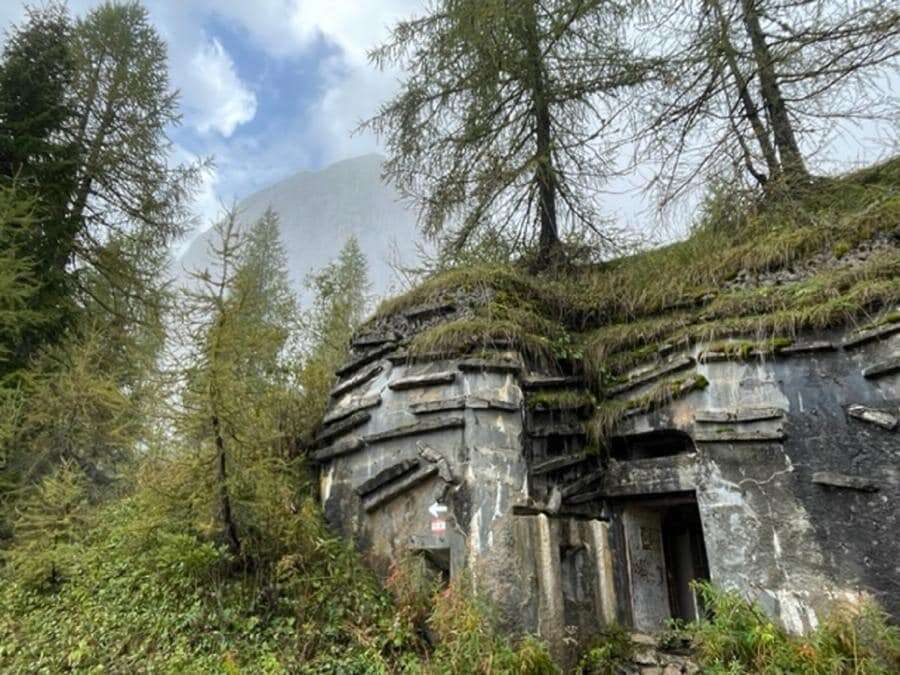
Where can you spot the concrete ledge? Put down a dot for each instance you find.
(429, 311)
(365, 359)
(866, 336)
(651, 376)
(881, 418)
(420, 381)
(582, 483)
(387, 475)
(361, 403)
(355, 420)
(840, 480)
(729, 436)
(374, 339)
(889, 367)
(488, 366)
(397, 488)
(356, 380)
(461, 403)
(557, 429)
(438, 423)
(557, 463)
(345, 447)
(550, 382)
(806, 347)
(739, 415)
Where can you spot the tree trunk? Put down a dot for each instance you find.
(231, 534)
(545, 175)
(792, 164)
(751, 112)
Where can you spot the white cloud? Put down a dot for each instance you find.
(213, 96)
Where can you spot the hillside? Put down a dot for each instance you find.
(319, 210)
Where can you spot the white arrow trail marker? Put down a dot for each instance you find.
(436, 509)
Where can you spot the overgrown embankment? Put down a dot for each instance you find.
(763, 271)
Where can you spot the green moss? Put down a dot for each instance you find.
(611, 317)
(611, 412)
(744, 349)
(565, 399)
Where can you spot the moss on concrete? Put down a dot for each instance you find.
(767, 276)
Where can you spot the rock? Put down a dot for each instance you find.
(386, 476)
(356, 380)
(881, 418)
(833, 479)
(889, 367)
(419, 381)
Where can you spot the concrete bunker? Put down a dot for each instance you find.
(724, 464)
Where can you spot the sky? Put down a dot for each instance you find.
(268, 87)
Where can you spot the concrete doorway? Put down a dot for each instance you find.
(665, 553)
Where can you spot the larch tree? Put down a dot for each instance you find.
(239, 381)
(502, 115)
(341, 298)
(756, 87)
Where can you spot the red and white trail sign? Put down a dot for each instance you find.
(438, 524)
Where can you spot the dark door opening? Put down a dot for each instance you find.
(437, 564)
(664, 540)
(685, 558)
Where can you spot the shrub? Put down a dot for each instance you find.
(737, 636)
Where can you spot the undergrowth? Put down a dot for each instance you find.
(738, 637)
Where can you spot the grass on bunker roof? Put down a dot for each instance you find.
(613, 316)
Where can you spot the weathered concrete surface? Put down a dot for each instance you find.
(772, 531)
(784, 449)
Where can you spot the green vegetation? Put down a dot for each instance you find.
(610, 317)
(157, 512)
(738, 637)
(608, 654)
(564, 399)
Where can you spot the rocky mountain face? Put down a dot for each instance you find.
(318, 212)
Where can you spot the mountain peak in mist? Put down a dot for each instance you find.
(319, 210)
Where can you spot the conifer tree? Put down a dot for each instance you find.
(755, 87)
(239, 381)
(503, 112)
(341, 291)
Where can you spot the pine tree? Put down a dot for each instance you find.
(500, 117)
